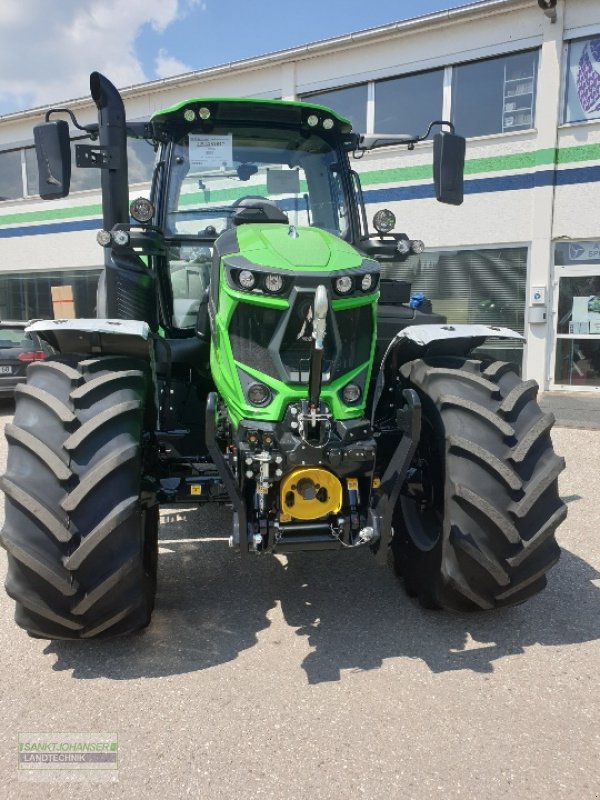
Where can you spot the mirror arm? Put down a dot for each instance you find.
(439, 122)
(90, 130)
(388, 140)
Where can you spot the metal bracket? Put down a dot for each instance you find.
(90, 156)
(235, 494)
(391, 483)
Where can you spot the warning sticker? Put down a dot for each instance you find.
(210, 152)
(196, 488)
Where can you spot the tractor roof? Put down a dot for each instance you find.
(246, 109)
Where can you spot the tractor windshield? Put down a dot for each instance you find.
(211, 174)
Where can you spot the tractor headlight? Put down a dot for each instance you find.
(351, 394)
(403, 246)
(141, 209)
(366, 282)
(103, 238)
(273, 283)
(120, 238)
(417, 246)
(246, 279)
(343, 285)
(384, 220)
(259, 394)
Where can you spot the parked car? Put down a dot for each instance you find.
(17, 350)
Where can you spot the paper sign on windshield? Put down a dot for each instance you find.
(210, 152)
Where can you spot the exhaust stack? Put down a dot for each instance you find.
(112, 137)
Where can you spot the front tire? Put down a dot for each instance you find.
(475, 525)
(80, 532)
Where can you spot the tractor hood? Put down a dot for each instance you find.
(288, 248)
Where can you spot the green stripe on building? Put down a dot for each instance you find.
(395, 175)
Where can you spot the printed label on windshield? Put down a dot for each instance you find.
(210, 152)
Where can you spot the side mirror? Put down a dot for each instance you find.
(53, 150)
(449, 167)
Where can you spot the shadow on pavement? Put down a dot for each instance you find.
(353, 613)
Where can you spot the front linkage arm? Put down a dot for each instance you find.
(382, 509)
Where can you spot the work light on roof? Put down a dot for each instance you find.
(328, 123)
(312, 120)
(189, 115)
(204, 112)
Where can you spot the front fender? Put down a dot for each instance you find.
(417, 341)
(95, 336)
(421, 341)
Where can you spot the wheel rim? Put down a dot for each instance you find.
(421, 500)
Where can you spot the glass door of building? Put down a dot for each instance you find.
(576, 352)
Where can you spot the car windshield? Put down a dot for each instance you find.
(211, 174)
(14, 337)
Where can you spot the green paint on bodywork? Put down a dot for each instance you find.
(331, 254)
(313, 250)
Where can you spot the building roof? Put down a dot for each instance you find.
(452, 15)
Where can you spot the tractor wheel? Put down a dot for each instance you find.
(474, 526)
(80, 532)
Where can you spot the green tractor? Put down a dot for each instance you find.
(247, 351)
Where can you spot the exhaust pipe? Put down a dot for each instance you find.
(113, 136)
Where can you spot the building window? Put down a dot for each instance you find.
(32, 171)
(473, 287)
(28, 295)
(349, 102)
(408, 104)
(140, 160)
(583, 81)
(11, 178)
(577, 329)
(496, 95)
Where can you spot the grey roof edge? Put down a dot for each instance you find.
(456, 14)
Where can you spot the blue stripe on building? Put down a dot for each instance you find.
(503, 183)
(52, 227)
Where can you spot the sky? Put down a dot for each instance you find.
(49, 47)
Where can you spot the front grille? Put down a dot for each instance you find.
(254, 328)
(355, 330)
(296, 344)
(250, 332)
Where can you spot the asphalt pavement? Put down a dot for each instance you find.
(316, 677)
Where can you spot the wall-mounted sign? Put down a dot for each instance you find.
(583, 82)
(576, 253)
(584, 251)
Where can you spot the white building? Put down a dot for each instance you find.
(524, 248)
